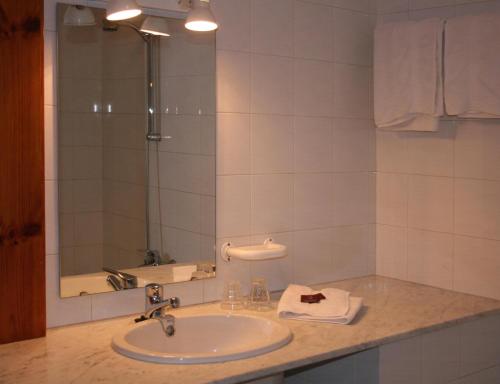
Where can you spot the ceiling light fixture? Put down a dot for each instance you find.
(157, 26)
(122, 9)
(200, 17)
(78, 16)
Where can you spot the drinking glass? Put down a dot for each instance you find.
(259, 299)
(232, 298)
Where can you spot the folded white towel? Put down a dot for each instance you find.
(472, 66)
(338, 307)
(408, 76)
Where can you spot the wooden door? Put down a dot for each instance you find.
(22, 233)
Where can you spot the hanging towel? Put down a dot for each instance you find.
(472, 66)
(338, 307)
(408, 75)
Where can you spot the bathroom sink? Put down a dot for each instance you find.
(202, 339)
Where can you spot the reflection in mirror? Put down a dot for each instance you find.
(136, 153)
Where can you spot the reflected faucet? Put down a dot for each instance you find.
(120, 280)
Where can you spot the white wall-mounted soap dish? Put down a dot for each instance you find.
(266, 251)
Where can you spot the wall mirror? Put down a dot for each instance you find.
(136, 151)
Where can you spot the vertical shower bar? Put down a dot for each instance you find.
(153, 133)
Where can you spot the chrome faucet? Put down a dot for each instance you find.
(157, 306)
(120, 280)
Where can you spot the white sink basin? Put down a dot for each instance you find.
(202, 339)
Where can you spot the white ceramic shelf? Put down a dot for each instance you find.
(267, 251)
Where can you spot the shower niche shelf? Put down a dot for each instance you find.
(267, 251)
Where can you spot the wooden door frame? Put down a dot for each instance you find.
(22, 197)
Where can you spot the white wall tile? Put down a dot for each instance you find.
(272, 28)
(352, 91)
(430, 258)
(313, 260)
(313, 144)
(313, 203)
(354, 200)
(392, 6)
(353, 251)
(272, 144)
(233, 81)
(477, 150)
(421, 4)
(430, 203)
(477, 208)
(353, 145)
(233, 143)
(313, 31)
(233, 205)
(432, 153)
(477, 266)
(233, 17)
(440, 12)
(392, 199)
(353, 37)
(392, 251)
(272, 203)
(313, 88)
(271, 84)
(392, 151)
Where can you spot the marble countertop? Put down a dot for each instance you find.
(393, 310)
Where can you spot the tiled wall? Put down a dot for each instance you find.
(295, 148)
(438, 194)
(464, 354)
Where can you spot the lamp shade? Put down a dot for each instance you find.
(200, 17)
(122, 9)
(78, 16)
(155, 26)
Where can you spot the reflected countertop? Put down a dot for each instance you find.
(393, 310)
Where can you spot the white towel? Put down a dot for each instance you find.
(408, 75)
(472, 66)
(338, 307)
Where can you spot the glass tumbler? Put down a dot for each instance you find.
(259, 299)
(232, 298)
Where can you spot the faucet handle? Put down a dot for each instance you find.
(154, 293)
(175, 302)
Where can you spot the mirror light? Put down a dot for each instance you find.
(200, 17)
(78, 16)
(122, 9)
(155, 26)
